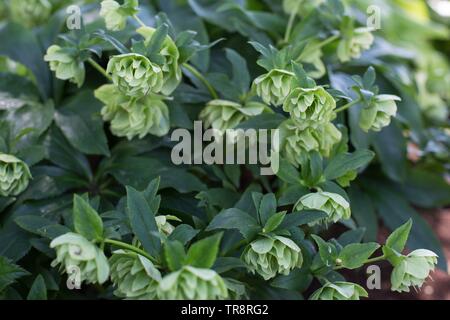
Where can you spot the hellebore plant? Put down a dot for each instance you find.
(88, 116)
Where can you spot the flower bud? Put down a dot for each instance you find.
(65, 66)
(164, 225)
(191, 283)
(14, 175)
(272, 255)
(134, 276)
(339, 291)
(296, 141)
(412, 270)
(333, 204)
(115, 18)
(30, 13)
(170, 68)
(75, 251)
(223, 114)
(131, 118)
(378, 114)
(135, 75)
(310, 107)
(352, 48)
(274, 86)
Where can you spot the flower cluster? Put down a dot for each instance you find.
(133, 117)
(14, 175)
(339, 291)
(412, 270)
(190, 283)
(30, 12)
(222, 114)
(272, 255)
(334, 205)
(74, 253)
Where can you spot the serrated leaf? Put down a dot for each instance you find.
(235, 219)
(397, 239)
(174, 254)
(143, 223)
(203, 253)
(346, 162)
(9, 272)
(354, 255)
(86, 220)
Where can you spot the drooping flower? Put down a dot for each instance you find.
(116, 15)
(65, 66)
(30, 13)
(352, 47)
(135, 75)
(134, 276)
(133, 118)
(170, 68)
(310, 107)
(191, 283)
(223, 114)
(75, 251)
(312, 55)
(272, 255)
(412, 270)
(14, 175)
(295, 141)
(339, 291)
(332, 204)
(274, 86)
(379, 113)
(164, 226)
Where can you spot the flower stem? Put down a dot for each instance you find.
(348, 105)
(99, 68)
(139, 21)
(127, 246)
(376, 259)
(291, 21)
(200, 77)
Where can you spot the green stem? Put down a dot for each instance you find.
(318, 46)
(348, 105)
(139, 21)
(99, 68)
(127, 246)
(200, 77)
(380, 258)
(291, 21)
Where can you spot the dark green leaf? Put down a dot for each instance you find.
(86, 220)
(203, 253)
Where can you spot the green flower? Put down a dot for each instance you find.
(312, 54)
(352, 48)
(30, 13)
(164, 225)
(14, 175)
(310, 107)
(332, 204)
(130, 117)
(171, 68)
(296, 141)
(75, 251)
(274, 86)
(223, 114)
(191, 283)
(412, 270)
(134, 276)
(378, 114)
(339, 291)
(272, 255)
(433, 106)
(65, 66)
(116, 15)
(344, 181)
(135, 75)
